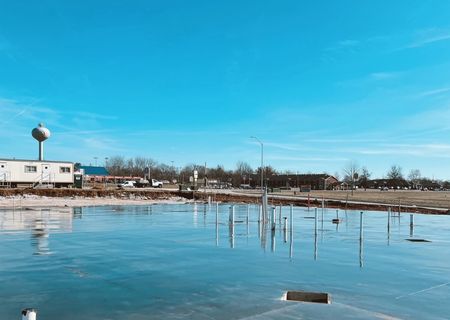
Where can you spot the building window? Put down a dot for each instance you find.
(64, 169)
(30, 169)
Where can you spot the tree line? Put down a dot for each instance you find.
(243, 173)
(394, 178)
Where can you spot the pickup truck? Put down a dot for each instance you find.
(146, 184)
(156, 184)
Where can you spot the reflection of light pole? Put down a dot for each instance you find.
(262, 161)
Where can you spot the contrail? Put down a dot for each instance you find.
(15, 116)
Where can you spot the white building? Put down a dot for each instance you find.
(33, 173)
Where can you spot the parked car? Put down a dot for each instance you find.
(127, 184)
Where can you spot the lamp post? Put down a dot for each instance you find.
(262, 161)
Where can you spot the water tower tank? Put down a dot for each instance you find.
(41, 133)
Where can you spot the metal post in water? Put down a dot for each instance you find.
(231, 230)
(272, 233)
(291, 233)
(28, 314)
(285, 227)
(217, 212)
(217, 223)
(361, 233)
(411, 225)
(273, 223)
(315, 233)
(266, 205)
(231, 216)
(389, 220)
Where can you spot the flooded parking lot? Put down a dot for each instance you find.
(174, 261)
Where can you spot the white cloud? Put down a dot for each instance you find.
(384, 75)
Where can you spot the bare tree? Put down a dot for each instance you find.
(414, 176)
(351, 173)
(243, 172)
(116, 165)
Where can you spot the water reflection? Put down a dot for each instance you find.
(40, 223)
(272, 240)
(39, 237)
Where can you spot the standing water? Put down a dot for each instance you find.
(175, 262)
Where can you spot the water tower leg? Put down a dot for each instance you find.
(41, 151)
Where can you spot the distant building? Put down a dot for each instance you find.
(34, 173)
(93, 171)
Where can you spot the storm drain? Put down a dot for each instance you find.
(305, 296)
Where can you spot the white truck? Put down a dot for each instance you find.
(156, 184)
(141, 184)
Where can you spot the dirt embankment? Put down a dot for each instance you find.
(161, 195)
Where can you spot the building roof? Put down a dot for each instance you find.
(94, 171)
(34, 160)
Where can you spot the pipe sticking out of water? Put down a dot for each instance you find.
(248, 212)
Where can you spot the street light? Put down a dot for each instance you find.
(262, 161)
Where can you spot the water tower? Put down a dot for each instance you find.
(41, 134)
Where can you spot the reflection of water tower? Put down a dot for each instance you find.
(41, 134)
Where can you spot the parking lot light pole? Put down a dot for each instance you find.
(262, 161)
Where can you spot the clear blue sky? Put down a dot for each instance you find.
(320, 82)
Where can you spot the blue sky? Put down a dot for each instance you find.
(321, 83)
